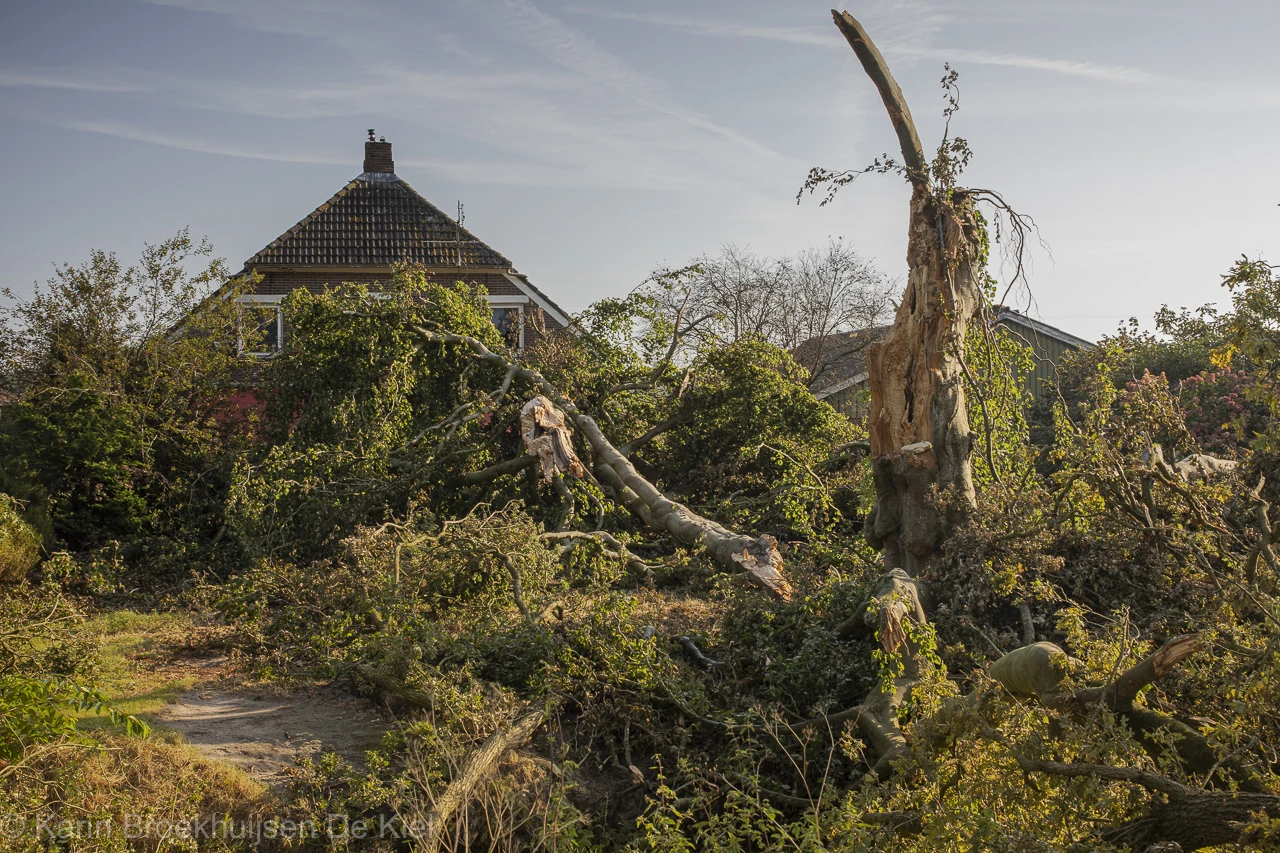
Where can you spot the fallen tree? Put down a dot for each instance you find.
(759, 557)
(1191, 817)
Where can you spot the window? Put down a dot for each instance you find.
(509, 320)
(263, 315)
(270, 332)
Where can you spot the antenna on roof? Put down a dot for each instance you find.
(458, 231)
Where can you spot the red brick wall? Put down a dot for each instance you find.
(281, 282)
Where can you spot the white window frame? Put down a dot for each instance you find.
(254, 298)
(515, 302)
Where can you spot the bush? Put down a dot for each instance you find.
(19, 543)
(1220, 411)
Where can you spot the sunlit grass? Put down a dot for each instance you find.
(133, 649)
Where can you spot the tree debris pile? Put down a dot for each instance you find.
(637, 589)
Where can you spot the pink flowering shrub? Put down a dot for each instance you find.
(1220, 412)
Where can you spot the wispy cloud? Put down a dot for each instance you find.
(311, 18)
(495, 171)
(712, 27)
(559, 102)
(1070, 67)
(900, 25)
(575, 50)
(73, 79)
(892, 37)
(136, 133)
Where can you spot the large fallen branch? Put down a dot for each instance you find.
(758, 557)
(477, 766)
(1191, 818)
(1038, 671)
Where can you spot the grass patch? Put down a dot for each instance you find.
(138, 666)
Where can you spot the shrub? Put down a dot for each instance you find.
(1220, 411)
(19, 543)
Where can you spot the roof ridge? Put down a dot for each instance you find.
(378, 222)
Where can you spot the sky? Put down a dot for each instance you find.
(593, 141)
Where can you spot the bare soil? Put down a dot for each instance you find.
(263, 734)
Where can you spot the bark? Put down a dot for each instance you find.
(473, 771)
(610, 543)
(692, 650)
(499, 469)
(895, 601)
(1037, 671)
(894, 103)
(919, 427)
(920, 439)
(1189, 817)
(1202, 819)
(759, 556)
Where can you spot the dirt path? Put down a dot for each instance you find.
(263, 734)
(175, 673)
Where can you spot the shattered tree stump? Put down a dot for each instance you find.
(546, 436)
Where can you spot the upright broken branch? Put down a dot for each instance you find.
(894, 102)
(920, 438)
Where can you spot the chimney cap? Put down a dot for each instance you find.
(371, 134)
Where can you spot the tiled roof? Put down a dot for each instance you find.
(377, 220)
(837, 358)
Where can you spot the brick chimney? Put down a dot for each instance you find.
(377, 156)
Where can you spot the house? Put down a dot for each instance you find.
(837, 366)
(842, 378)
(378, 221)
(1048, 345)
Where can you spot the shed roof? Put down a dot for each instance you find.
(1008, 316)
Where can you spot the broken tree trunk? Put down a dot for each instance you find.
(546, 437)
(473, 771)
(759, 556)
(920, 439)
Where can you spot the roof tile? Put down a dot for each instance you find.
(408, 228)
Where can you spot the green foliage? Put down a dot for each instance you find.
(19, 543)
(357, 413)
(379, 552)
(41, 664)
(754, 440)
(997, 401)
(117, 376)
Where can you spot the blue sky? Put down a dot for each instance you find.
(592, 141)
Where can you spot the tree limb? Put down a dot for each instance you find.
(758, 557)
(894, 102)
(477, 766)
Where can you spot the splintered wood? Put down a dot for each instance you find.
(547, 437)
